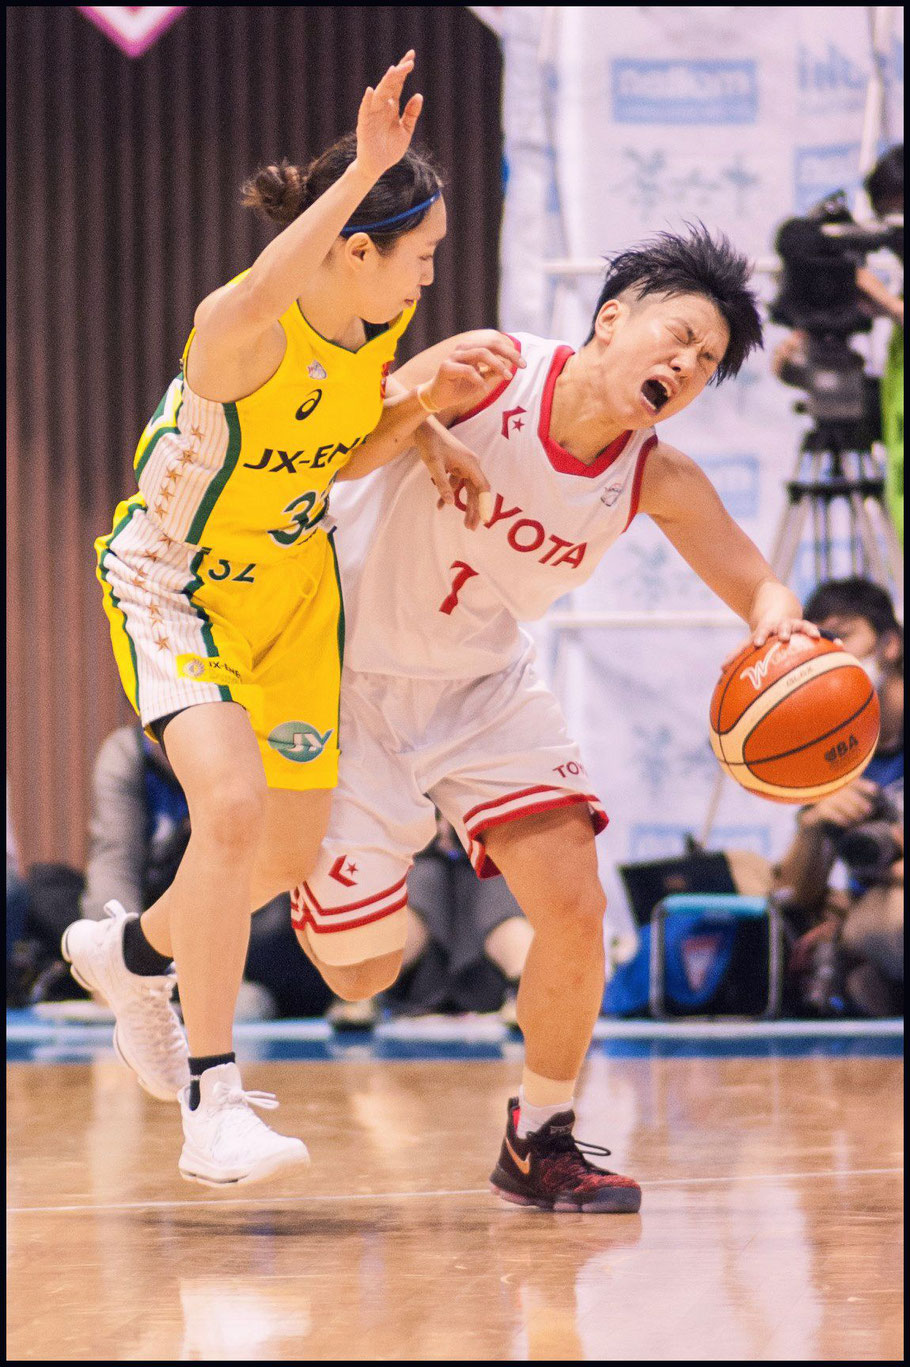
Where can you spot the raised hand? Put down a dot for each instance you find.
(383, 133)
(776, 625)
(468, 371)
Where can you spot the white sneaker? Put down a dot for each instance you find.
(147, 1036)
(225, 1142)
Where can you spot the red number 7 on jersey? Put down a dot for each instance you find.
(461, 578)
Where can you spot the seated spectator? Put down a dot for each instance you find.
(466, 946)
(849, 958)
(139, 826)
(137, 837)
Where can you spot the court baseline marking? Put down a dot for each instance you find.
(411, 1195)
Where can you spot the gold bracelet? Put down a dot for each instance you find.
(420, 399)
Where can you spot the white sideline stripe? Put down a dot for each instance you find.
(412, 1195)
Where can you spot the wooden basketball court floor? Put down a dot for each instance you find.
(770, 1226)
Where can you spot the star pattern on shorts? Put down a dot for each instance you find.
(162, 643)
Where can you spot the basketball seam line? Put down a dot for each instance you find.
(799, 748)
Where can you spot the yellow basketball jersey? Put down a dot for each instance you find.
(251, 478)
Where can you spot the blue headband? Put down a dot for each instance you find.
(390, 222)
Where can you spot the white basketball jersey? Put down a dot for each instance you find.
(427, 598)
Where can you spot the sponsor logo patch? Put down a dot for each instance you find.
(343, 871)
(513, 416)
(316, 371)
(308, 405)
(298, 741)
(201, 669)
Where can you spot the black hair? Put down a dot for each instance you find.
(854, 597)
(671, 264)
(282, 192)
(885, 182)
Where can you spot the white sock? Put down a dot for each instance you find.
(532, 1118)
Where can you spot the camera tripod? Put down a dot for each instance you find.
(829, 468)
(832, 466)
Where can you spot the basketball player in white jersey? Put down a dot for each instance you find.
(440, 701)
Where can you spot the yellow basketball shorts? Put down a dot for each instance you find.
(190, 627)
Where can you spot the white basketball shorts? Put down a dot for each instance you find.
(484, 751)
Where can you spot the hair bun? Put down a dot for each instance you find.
(277, 191)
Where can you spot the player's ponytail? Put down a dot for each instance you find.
(396, 204)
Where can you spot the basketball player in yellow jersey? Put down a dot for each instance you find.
(221, 588)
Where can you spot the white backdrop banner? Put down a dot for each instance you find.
(619, 122)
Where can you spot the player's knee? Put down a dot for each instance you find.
(233, 815)
(356, 982)
(577, 908)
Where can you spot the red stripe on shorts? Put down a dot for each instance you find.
(352, 906)
(484, 866)
(302, 915)
(511, 797)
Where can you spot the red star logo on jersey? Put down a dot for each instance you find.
(507, 416)
(337, 871)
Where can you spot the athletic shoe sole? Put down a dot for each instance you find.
(259, 1173)
(160, 1094)
(619, 1201)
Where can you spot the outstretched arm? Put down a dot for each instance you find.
(236, 314)
(685, 505)
(452, 378)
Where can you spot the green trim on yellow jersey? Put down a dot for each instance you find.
(230, 462)
(163, 420)
(207, 636)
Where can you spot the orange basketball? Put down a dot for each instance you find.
(796, 721)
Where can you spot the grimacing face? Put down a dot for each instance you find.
(659, 353)
(388, 282)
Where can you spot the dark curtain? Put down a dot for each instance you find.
(123, 212)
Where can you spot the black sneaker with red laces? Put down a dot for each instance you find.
(549, 1169)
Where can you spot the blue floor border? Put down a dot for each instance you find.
(37, 1036)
